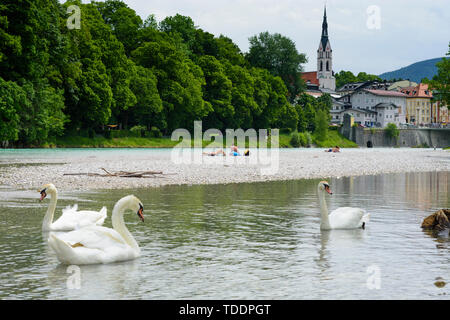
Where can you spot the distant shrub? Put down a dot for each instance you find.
(138, 131)
(321, 121)
(392, 130)
(422, 145)
(91, 133)
(303, 140)
(285, 130)
(155, 132)
(308, 139)
(295, 140)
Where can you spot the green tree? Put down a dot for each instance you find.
(181, 25)
(180, 81)
(344, 77)
(321, 125)
(12, 99)
(87, 84)
(149, 107)
(362, 76)
(440, 84)
(242, 96)
(279, 55)
(228, 50)
(302, 125)
(124, 22)
(392, 131)
(216, 92)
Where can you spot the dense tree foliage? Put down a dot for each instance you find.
(279, 55)
(118, 69)
(440, 84)
(343, 77)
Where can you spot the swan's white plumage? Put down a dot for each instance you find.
(341, 218)
(348, 218)
(71, 218)
(97, 244)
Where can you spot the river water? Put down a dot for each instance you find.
(243, 241)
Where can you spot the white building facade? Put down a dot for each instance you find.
(390, 106)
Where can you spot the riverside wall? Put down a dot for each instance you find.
(377, 137)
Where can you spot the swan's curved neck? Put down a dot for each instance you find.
(325, 224)
(119, 224)
(48, 218)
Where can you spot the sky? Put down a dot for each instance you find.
(373, 36)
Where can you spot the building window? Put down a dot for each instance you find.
(321, 65)
(328, 66)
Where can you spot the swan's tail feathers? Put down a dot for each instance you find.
(61, 248)
(104, 215)
(69, 208)
(365, 219)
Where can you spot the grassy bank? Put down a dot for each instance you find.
(333, 139)
(101, 142)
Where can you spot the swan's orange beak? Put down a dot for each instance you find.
(327, 189)
(140, 212)
(43, 195)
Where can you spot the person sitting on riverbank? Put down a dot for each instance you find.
(234, 151)
(246, 153)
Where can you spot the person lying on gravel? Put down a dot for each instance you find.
(215, 153)
(335, 149)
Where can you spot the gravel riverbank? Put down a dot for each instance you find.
(30, 169)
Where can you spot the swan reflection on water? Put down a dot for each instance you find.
(336, 242)
(98, 280)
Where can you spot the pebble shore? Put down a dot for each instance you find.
(30, 173)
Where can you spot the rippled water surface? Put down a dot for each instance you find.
(244, 241)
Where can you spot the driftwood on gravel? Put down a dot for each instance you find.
(121, 174)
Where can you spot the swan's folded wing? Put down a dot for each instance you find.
(94, 237)
(85, 218)
(347, 217)
(73, 219)
(70, 209)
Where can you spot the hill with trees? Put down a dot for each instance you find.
(414, 72)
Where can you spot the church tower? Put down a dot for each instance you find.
(327, 82)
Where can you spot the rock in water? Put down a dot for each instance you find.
(437, 221)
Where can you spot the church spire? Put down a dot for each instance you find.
(324, 38)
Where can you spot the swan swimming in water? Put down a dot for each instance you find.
(97, 244)
(341, 218)
(70, 219)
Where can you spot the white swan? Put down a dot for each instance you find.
(96, 244)
(70, 219)
(341, 218)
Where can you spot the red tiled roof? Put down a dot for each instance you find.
(310, 77)
(386, 93)
(419, 91)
